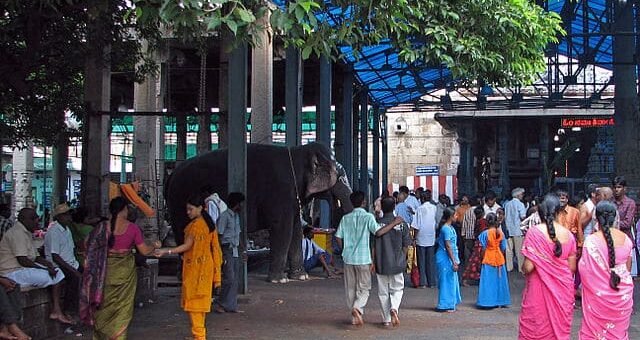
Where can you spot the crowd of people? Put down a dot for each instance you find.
(94, 261)
(573, 252)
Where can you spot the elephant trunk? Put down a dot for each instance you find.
(341, 192)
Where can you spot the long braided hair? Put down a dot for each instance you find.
(606, 215)
(548, 210)
(115, 207)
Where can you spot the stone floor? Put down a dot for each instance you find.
(315, 309)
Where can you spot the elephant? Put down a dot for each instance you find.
(273, 198)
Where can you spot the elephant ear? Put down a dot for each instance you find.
(321, 174)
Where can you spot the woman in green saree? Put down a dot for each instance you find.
(113, 300)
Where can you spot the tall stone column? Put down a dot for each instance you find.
(262, 85)
(465, 171)
(294, 86)
(22, 176)
(96, 143)
(60, 170)
(503, 155)
(323, 112)
(546, 175)
(627, 128)
(145, 142)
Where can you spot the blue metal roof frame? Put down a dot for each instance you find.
(391, 82)
(586, 19)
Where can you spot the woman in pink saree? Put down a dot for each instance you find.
(607, 292)
(549, 265)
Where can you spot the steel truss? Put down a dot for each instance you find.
(579, 72)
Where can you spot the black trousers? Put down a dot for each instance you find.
(71, 291)
(10, 309)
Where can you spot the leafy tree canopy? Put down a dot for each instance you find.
(501, 42)
(43, 48)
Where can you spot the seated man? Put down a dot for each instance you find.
(59, 250)
(314, 256)
(20, 262)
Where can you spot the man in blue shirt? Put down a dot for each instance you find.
(353, 236)
(229, 231)
(402, 208)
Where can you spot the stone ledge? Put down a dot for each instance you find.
(36, 303)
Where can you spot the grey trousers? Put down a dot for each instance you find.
(357, 284)
(229, 291)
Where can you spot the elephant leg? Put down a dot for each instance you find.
(280, 236)
(294, 257)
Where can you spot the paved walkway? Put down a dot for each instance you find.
(316, 309)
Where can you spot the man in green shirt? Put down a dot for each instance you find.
(353, 236)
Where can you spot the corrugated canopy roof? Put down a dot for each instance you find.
(391, 82)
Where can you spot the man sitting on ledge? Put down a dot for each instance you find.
(20, 262)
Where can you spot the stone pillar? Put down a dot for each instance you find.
(385, 150)
(223, 91)
(627, 128)
(503, 155)
(60, 171)
(346, 157)
(355, 159)
(376, 153)
(323, 114)
(237, 155)
(364, 144)
(293, 96)
(145, 143)
(262, 84)
(96, 146)
(465, 171)
(22, 176)
(546, 176)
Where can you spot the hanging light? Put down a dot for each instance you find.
(556, 138)
(556, 149)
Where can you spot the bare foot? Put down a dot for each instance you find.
(357, 317)
(18, 333)
(395, 321)
(61, 318)
(4, 334)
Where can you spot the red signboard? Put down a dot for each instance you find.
(587, 122)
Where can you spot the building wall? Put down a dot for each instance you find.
(425, 142)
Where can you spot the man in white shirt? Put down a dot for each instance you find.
(587, 211)
(59, 250)
(490, 204)
(313, 255)
(424, 223)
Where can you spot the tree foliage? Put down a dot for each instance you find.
(500, 42)
(43, 48)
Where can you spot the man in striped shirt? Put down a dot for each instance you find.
(468, 226)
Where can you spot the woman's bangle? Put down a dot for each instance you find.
(170, 252)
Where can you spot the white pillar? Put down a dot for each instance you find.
(22, 176)
(262, 85)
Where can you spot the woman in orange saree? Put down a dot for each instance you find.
(201, 251)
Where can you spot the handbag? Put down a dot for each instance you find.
(415, 272)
